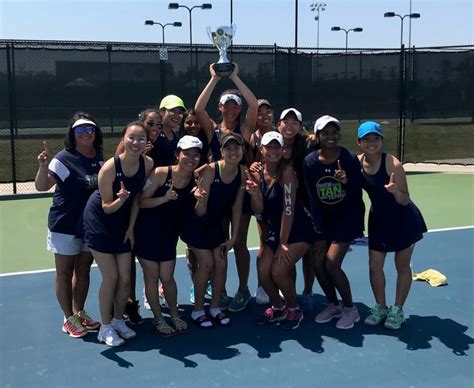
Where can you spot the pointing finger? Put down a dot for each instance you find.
(45, 146)
(122, 186)
(392, 178)
(339, 165)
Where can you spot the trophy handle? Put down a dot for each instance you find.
(234, 28)
(208, 30)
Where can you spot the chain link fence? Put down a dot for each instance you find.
(424, 96)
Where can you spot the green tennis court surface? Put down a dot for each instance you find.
(445, 200)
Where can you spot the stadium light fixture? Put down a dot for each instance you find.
(402, 18)
(174, 24)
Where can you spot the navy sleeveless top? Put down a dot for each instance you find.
(302, 229)
(163, 152)
(207, 232)
(105, 232)
(392, 227)
(157, 228)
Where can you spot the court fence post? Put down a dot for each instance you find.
(12, 109)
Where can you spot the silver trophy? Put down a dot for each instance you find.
(222, 37)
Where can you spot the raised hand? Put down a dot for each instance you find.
(250, 185)
(340, 174)
(171, 194)
(123, 194)
(213, 72)
(148, 147)
(43, 157)
(255, 167)
(235, 72)
(391, 187)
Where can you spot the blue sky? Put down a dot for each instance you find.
(258, 21)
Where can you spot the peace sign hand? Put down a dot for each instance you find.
(123, 194)
(391, 187)
(340, 174)
(43, 157)
(250, 185)
(200, 193)
(171, 194)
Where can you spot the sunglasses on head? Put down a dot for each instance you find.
(152, 123)
(87, 129)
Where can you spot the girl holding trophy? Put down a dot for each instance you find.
(230, 107)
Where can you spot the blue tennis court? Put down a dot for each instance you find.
(432, 350)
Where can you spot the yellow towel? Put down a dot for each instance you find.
(432, 276)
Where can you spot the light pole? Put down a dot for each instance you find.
(151, 23)
(317, 7)
(163, 51)
(402, 18)
(402, 113)
(356, 29)
(190, 9)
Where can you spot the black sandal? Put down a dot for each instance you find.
(219, 318)
(201, 322)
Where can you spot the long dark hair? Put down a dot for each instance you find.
(282, 165)
(70, 141)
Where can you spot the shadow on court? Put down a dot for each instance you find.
(219, 343)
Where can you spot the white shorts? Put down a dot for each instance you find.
(65, 244)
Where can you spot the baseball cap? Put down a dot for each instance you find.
(171, 101)
(262, 101)
(268, 137)
(82, 122)
(227, 97)
(232, 136)
(321, 123)
(187, 142)
(296, 112)
(369, 127)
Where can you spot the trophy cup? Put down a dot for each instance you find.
(221, 38)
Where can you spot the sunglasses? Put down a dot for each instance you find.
(152, 123)
(80, 130)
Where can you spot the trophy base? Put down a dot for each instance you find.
(223, 69)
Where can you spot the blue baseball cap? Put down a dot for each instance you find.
(369, 127)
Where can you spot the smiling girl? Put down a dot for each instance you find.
(220, 191)
(287, 230)
(109, 218)
(230, 110)
(74, 172)
(158, 226)
(395, 223)
(333, 180)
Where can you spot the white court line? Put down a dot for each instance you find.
(183, 256)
